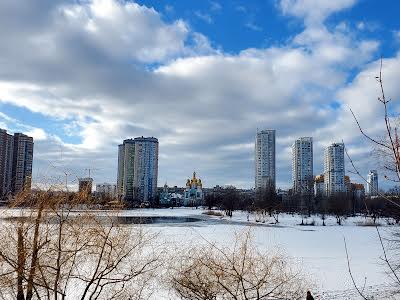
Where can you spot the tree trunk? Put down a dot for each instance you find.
(35, 250)
(21, 263)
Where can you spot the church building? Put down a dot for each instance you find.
(194, 195)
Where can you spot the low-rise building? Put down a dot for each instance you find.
(347, 183)
(170, 196)
(319, 186)
(358, 190)
(108, 190)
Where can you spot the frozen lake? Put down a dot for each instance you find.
(318, 249)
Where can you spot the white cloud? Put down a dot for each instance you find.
(215, 6)
(204, 105)
(126, 29)
(396, 35)
(38, 134)
(253, 26)
(204, 17)
(367, 26)
(314, 11)
(169, 9)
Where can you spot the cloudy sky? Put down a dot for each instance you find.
(201, 76)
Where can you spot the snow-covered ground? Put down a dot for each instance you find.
(318, 249)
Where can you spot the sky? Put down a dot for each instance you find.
(201, 76)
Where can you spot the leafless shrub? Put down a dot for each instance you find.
(48, 249)
(241, 272)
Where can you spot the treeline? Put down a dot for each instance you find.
(340, 205)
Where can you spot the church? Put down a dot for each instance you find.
(194, 195)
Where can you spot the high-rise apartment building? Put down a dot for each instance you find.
(126, 163)
(138, 169)
(22, 162)
(265, 159)
(372, 180)
(16, 157)
(334, 169)
(146, 168)
(302, 166)
(6, 158)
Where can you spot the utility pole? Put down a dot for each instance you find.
(66, 180)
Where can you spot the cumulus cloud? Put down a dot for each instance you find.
(112, 70)
(314, 11)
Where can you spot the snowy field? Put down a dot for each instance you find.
(318, 249)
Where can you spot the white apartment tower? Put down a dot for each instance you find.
(265, 159)
(372, 181)
(302, 165)
(334, 169)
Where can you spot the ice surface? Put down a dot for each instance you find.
(318, 249)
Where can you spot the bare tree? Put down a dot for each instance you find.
(50, 250)
(267, 200)
(229, 199)
(339, 205)
(388, 150)
(238, 272)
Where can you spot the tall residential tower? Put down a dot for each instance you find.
(146, 168)
(372, 181)
(6, 159)
(302, 165)
(138, 169)
(16, 157)
(334, 169)
(265, 159)
(126, 163)
(22, 162)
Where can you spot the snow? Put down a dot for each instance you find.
(318, 249)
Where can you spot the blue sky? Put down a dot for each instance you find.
(238, 25)
(202, 76)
